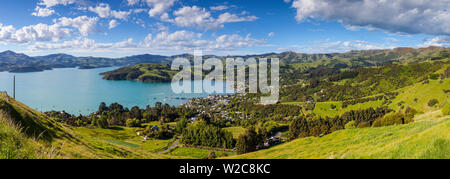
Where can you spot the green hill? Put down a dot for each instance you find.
(26, 133)
(145, 72)
(428, 137)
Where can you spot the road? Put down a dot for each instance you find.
(175, 144)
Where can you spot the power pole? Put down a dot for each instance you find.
(14, 87)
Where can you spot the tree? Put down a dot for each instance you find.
(434, 76)
(298, 128)
(433, 102)
(102, 122)
(135, 112)
(181, 125)
(350, 125)
(102, 108)
(248, 142)
(133, 123)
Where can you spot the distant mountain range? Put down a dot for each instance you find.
(17, 62)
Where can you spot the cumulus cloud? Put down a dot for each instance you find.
(179, 41)
(188, 41)
(271, 34)
(51, 3)
(60, 30)
(104, 11)
(159, 7)
(227, 18)
(43, 12)
(439, 41)
(219, 8)
(33, 33)
(200, 18)
(396, 16)
(113, 24)
(84, 24)
(133, 2)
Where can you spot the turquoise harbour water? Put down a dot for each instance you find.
(81, 91)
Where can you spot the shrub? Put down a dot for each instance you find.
(433, 102)
(363, 125)
(434, 76)
(393, 119)
(446, 110)
(248, 142)
(410, 112)
(202, 134)
(181, 125)
(133, 123)
(350, 125)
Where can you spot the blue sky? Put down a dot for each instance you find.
(117, 28)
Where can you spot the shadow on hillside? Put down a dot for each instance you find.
(30, 125)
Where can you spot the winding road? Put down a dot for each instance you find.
(175, 144)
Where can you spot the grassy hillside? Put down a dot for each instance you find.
(26, 133)
(143, 72)
(416, 96)
(428, 137)
(14, 144)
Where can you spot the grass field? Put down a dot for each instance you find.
(236, 131)
(422, 92)
(124, 137)
(429, 137)
(195, 153)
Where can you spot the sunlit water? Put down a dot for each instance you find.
(81, 91)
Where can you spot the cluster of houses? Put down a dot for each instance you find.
(215, 104)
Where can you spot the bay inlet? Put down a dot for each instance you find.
(78, 91)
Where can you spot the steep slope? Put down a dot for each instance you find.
(26, 133)
(428, 138)
(145, 72)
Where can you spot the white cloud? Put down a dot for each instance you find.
(176, 42)
(219, 8)
(84, 24)
(104, 11)
(33, 33)
(188, 41)
(43, 32)
(51, 3)
(439, 41)
(133, 2)
(137, 11)
(159, 27)
(113, 23)
(195, 17)
(396, 16)
(43, 12)
(159, 7)
(227, 18)
(200, 18)
(271, 34)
